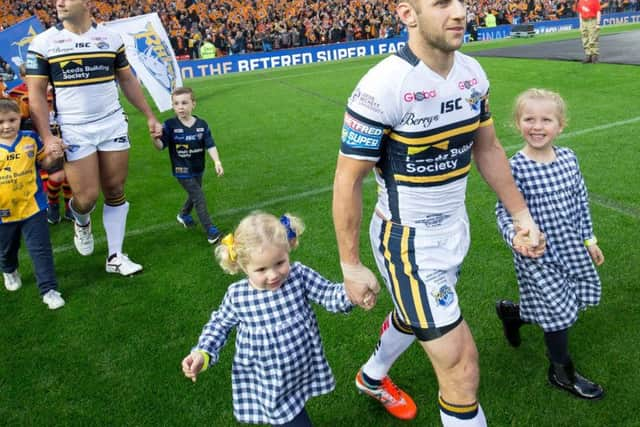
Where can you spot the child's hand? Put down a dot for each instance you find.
(369, 301)
(522, 244)
(192, 365)
(55, 149)
(219, 169)
(596, 254)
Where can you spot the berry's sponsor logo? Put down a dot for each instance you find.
(410, 119)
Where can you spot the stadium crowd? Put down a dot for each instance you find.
(234, 27)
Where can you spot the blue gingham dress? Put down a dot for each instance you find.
(279, 361)
(555, 287)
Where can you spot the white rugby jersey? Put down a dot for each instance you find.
(418, 127)
(81, 69)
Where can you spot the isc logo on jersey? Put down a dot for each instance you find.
(358, 134)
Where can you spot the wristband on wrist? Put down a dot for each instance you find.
(591, 241)
(207, 359)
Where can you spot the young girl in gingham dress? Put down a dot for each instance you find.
(555, 287)
(279, 361)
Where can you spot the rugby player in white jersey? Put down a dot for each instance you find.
(83, 61)
(416, 118)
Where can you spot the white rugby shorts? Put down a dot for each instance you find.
(420, 267)
(108, 134)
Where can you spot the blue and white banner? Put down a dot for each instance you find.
(565, 24)
(151, 55)
(288, 57)
(333, 52)
(14, 43)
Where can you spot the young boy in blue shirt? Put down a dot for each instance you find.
(188, 137)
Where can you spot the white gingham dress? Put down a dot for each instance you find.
(279, 361)
(564, 280)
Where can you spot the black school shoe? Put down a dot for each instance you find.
(566, 378)
(509, 314)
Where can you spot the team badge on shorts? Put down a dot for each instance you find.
(443, 296)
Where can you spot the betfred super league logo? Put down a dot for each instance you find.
(154, 54)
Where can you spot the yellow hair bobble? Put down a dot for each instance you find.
(228, 242)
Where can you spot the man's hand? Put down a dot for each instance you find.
(360, 284)
(155, 128)
(523, 221)
(54, 147)
(523, 245)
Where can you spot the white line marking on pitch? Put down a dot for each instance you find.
(157, 227)
(585, 131)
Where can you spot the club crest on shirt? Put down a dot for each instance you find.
(474, 100)
(443, 296)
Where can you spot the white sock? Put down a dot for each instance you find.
(462, 420)
(114, 219)
(81, 219)
(391, 345)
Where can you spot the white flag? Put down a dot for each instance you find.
(150, 54)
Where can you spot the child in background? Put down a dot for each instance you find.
(188, 137)
(23, 204)
(555, 287)
(53, 180)
(279, 362)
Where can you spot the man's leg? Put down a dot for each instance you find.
(114, 168)
(455, 361)
(395, 338)
(372, 379)
(584, 36)
(84, 178)
(594, 42)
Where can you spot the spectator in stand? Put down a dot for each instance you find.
(220, 42)
(189, 23)
(472, 26)
(336, 34)
(489, 20)
(207, 50)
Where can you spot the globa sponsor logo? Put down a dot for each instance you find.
(419, 96)
(467, 84)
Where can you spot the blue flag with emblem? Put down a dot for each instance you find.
(14, 43)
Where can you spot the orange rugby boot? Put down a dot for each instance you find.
(395, 401)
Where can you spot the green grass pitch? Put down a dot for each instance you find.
(112, 355)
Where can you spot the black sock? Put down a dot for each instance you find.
(370, 382)
(558, 346)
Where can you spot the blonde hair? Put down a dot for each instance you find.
(255, 231)
(540, 94)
